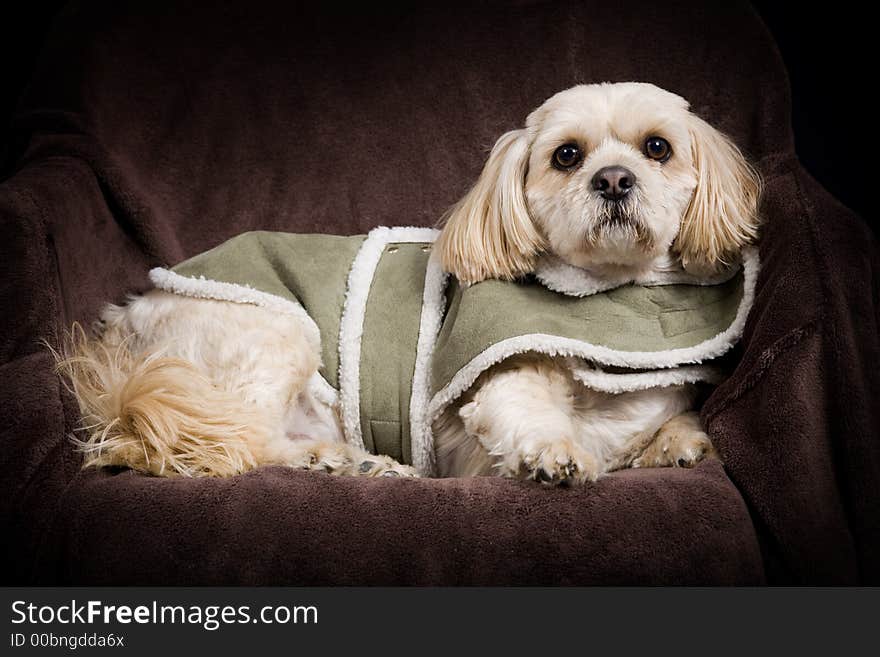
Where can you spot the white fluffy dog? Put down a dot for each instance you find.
(621, 180)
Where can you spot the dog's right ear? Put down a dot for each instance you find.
(489, 233)
(723, 213)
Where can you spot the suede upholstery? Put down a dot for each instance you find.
(152, 131)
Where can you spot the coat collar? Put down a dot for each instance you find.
(559, 276)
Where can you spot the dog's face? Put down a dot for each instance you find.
(610, 173)
(605, 175)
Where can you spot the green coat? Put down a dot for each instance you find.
(400, 341)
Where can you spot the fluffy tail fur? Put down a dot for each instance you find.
(155, 414)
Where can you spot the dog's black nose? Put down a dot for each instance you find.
(613, 182)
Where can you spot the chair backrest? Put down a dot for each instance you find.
(205, 119)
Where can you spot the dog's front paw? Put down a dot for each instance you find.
(678, 443)
(551, 461)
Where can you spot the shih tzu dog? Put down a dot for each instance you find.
(614, 185)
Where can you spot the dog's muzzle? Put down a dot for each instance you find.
(618, 219)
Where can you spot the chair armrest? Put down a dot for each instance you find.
(797, 421)
(88, 254)
(63, 256)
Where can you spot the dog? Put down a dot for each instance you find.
(617, 182)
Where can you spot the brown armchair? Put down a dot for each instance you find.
(152, 131)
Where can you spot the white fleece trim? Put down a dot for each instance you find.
(323, 391)
(572, 281)
(351, 326)
(617, 383)
(433, 306)
(558, 346)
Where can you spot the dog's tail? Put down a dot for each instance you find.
(153, 413)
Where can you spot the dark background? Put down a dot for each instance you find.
(824, 47)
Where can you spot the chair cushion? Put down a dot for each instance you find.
(277, 526)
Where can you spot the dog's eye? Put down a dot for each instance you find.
(658, 149)
(566, 156)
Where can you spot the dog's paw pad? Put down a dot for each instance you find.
(553, 463)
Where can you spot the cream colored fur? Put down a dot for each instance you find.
(529, 418)
(180, 386)
(195, 387)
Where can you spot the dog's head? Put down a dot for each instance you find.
(603, 175)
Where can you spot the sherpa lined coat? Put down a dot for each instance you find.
(398, 344)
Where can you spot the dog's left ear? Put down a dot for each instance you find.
(489, 233)
(723, 214)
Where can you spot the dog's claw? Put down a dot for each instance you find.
(552, 462)
(564, 477)
(543, 475)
